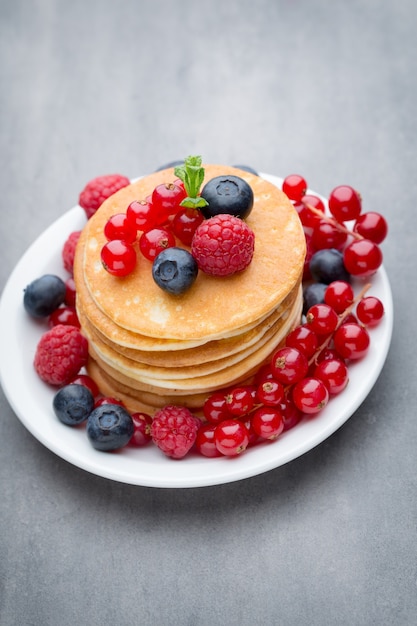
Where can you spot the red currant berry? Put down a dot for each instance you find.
(351, 341)
(334, 375)
(326, 235)
(310, 395)
(362, 257)
(369, 310)
(70, 292)
(253, 436)
(166, 199)
(267, 422)
(231, 437)
(372, 226)
(329, 354)
(185, 224)
(141, 215)
(154, 241)
(322, 319)
(290, 414)
(86, 381)
(205, 443)
(108, 400)
(294, 186)
(118, 257)
(304, 339)
(339, 295)
(270, 392)
(263, 374)
(239, 401)
(64, 315)
(119, 227)
(309, 254)
(141, 429)
(350, 319)
(309, 218)
(215, 408)
(289, 365)
(345, 203)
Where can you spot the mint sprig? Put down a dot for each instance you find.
(192, 175)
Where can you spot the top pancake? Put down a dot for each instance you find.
(213, 307)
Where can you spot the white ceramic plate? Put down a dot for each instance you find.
(31, 399)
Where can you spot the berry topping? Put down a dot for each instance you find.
(141, 429)
(73, 404)
(60, 354)
(140, 215)
(166, 199)
(174, 430)
(345, 203)
(174, 270)
(99, 189)
(43, 295)
(185, 223)
(68, 251)
(109, 427)
(64, 315)
(294, 186)
(118, 257)
(227, 194)
(223, 245)
(154, 241)
(119, 227)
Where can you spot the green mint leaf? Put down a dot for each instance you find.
(194, 203)
(192, 175)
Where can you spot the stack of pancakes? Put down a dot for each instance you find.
(150, 348)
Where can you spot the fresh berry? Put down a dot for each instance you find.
(60, 354)
(339, 295)
(322, 319)
(141, 215)
(310, 395)
(370, 311)
(154, 241)
(327, 266)
(73, 404)
(372, 226)
(289, 365)
(70, 291)
(174, 270)
(267, 422)
(68, 250)
(231, 437)
(309, 218)
(334, 374)
(239, 401)
(43, 295)
(64, 315)
(313, 294)
(215, 408)
(290, 414)
(166, 200)
(223, 245)
(185, 223)
(118, 257)
(109, 427)
(270, 392)
(294, 186)
(205, 442)
(108, 400)
(227, 194)
(304, 339)
(351, 341)
(141, 429)
(174, 430)
(327, 235)
(119, 227)
(362, 257)
(345, 203)
(98, 190)
(87, 381)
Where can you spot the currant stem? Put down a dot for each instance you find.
(332, 221)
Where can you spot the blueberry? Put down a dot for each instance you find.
(246, 168)
(109, 427)
(73, 404)
(227, 194)
(327, 266)
(313, 294)
(174, 270)
(43, 295)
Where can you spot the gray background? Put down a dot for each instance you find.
(327, 89)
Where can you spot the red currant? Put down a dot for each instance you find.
(369, 310)
(119, 227)
(304, 339)
(334, 374)
(141, 429)
(87, 381)
(309, 253)
(267, 422)
(166, 199)
(372, 226)
(152, 242)
(118, 257)
(351, 341)
(270, 392)
(141, 215)
(345, 203)
(185, 224)
(339, 295)
(289, 365)
(205, 442)
(231, 437)
(326, 235)
(362, 257)
(294, 186)
(239, 401)
(290, 414)
(107, 400)
(310, 395)
(263, 374)
(215, 408)
(64, 315)
(322, 319)
(328, 354)
(309, 218)
(70, 291)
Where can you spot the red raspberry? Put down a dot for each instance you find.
(60, 354)
(223, 245)
(174, 430)
(99, 189)
(68, 251)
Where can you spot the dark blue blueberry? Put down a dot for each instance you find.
(174, 270)
(246, 168)
(227, 194)
(313, 294)
(43, 295)
(73, 404)
(109, 427)
(327, 265)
